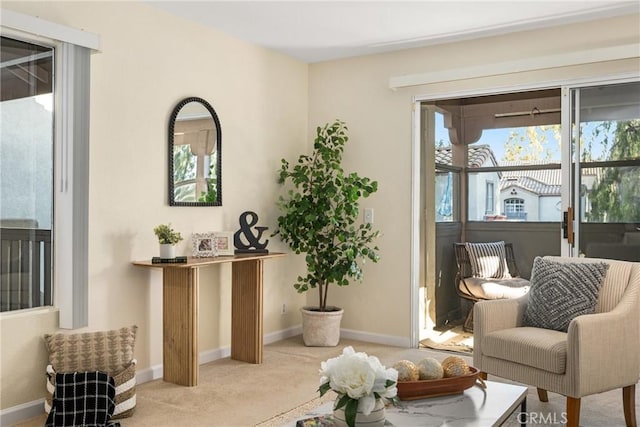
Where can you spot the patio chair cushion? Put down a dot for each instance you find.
(540, 348)
(561, 291)
(494, 288)
(488, 260)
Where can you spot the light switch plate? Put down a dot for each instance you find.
(368, 215)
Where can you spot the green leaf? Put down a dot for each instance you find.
(350, 412)
(342, 401)
(324, 387)
(320, 214)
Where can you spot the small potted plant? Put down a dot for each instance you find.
(319, 217)
(167, 237)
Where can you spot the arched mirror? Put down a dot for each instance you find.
(195, 156)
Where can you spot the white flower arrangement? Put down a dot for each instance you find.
(359, 380)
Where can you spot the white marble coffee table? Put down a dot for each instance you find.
(475, 407)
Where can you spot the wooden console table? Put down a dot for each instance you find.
(180, 293)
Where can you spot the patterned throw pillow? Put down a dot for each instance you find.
(82, 399)
(106, 351)
(125, 398)
(562, 291)
(488, 260)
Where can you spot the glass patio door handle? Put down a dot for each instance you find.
(567, 225)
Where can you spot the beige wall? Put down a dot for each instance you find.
(269, 106)
(148, 63)
(357, 91)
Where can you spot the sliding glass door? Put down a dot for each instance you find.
(554, 171)
(603, 219)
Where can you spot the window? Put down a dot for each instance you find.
(511, 140)
(610, 154)
(447, 185)
(489, 200)
(514, 209)
(521, 160)
(447, 190)
(26, 174)
(69, 51)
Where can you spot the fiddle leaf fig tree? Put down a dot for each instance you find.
(319, 217)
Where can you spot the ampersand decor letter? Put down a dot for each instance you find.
(245, 234)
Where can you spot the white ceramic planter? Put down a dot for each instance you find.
(321, 328)
(167, 251)
(374, 419)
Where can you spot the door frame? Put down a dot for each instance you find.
(419, 237)
(571, 193)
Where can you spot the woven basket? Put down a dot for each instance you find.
(125, 382)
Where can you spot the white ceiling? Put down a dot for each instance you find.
(314, 31)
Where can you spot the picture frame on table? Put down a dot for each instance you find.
(204, 245)
(224, 243)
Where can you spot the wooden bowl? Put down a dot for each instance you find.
(413, 390)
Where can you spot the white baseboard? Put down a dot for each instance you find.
(34, 408)
(148, 374)
(282, 334)
(376, 338)
(215, 354)
(15, 414)
(155, 372)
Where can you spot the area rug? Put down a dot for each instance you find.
(456, 347)
(297, 412)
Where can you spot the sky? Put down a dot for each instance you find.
(496, 139)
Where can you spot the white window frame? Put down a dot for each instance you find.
(490, 198)
(516, 205)
(71, 157)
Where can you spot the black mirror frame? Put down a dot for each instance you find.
(172, 122)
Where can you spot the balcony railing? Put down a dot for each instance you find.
(519, 216)
(25, 268)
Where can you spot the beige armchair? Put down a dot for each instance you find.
(599, 352)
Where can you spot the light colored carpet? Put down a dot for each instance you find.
(237, 394)
(297, 413)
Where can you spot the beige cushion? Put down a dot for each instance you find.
(494, 288)
(107, 351)
(544, 349)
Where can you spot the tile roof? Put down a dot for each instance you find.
(532, 185)
(544, 182)
(478, 155)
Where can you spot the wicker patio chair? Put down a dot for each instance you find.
(467, 286)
